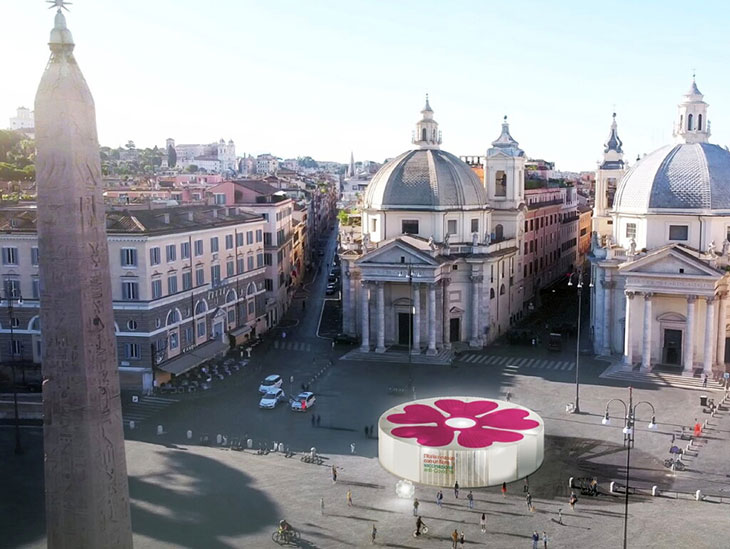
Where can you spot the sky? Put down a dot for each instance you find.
(324, 78)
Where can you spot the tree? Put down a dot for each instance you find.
(192, 168)
(307, 162)
(171, 156)
(130, 145)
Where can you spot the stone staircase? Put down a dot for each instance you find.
(617, 371)
(400, 356)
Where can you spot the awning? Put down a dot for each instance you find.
(187, 361)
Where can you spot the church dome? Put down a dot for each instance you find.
(425, 179)
(686, 176)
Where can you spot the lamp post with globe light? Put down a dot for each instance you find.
(579, 285)
(628, 431)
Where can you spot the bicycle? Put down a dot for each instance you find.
(424, 531)
(289, 537)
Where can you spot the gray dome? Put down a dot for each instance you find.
(683, 177)
(425, 179)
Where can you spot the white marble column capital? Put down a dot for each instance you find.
(648, 296)
(710, 299)
(691, 298)
(629, 294)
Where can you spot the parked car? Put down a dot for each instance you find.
(331, 289)
(303, 402)
(555, 342)
(346, 339)
(272, 398)
(271, 382)
(332, 279)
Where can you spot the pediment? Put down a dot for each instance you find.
(397, 252)
(671, 260)
(672, 317)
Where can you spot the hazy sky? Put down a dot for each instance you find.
(322, 78)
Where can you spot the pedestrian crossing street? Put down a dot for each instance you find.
(301, 346)
(516, 362)
(147, 407)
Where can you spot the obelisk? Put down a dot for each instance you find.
(87, 495)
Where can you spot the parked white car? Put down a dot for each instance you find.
(272, 398)
(303, 402)
(271, 382)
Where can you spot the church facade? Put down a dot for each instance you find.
(660, 248)
(438, 260)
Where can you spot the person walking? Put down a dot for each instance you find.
(454, 538)
(528, 500)
(313, 420)
(470, 500)
(504, 489)
(572, 501)
(349, 497)
(439, 498)
(366, 431)
(483, 523)
(526, 487)
(704, 380)
(321, 506)
(544, 540)
(456, 490)
(318, 419)
(535, 539)
(462, 539)
(560, 516)
(334, 474)
(415, 507)
(373, 533)
(352, 448)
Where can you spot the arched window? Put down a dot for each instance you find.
(501, 290)
(35, 324)
(173, 317)
(251, 289)
(689, 122)
(231, 296)
(699, 122)
(200, 307)
(423, 134)
(498, 233)
(491, 293)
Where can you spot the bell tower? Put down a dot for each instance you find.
(504, 171)
(692, 125)
(427, 134)
(608, 175)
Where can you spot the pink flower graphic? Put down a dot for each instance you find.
(476, 422)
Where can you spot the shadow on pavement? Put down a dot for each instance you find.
(197, 503)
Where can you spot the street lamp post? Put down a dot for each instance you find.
(10, 297)
(628, 431)
(579, 286)
(409, 275)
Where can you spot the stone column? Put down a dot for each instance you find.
(689, 343)
(646, 341)
(431, 319)
(416, 347)
(608, 286)
(447, 322)
(380, 342)
(365, 317)
(628, 350)
(475, 280)
(721, 330)
(709, 335)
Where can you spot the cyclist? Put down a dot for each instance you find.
(285, 529)
(419, 524)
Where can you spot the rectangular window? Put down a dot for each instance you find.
(269, 285)
(230, 270)
(259, 260)
(171, 252)
(201, 329)
(249, 237)
(239, 239)
(130, 290)
(185, 250)
(12, 287)
(155, 256)
(267, 239)
(409, 226)
(187, 280)
(229, 242)
(10, 256)
(474, 225)
(251, 307)
(188, 335)
(156, 289)
(35, 281)
(199, 276)
(198, 248)
(249, 263)
(215, 274)
(131, 350)
(279, 257)
(174, 341)
(451, 226)
(259, 235)
(129, 257)
(214, 245)
(172, 284)
(239, 265)
(267, 259)
(231, 316)
(220, 199)
(631, 230)
(280, 237)
(678, 232)
(34, 255)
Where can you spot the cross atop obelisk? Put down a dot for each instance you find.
(87, 497)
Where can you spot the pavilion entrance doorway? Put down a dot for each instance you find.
(405, 328)
(672, 352)
(454, 329)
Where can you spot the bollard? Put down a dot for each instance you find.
(131, 424)
(612, 487)
(281, 446)
(218, 439)
(274, 448)
(655, 491)
(225, 440)
(698, 495)
(570, 482)
(249, 443)
(159, 430)
(189, 434)
(313, 452)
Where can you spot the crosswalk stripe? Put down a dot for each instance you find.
(482, 359)
(470, 358)
(542, 364)
(529, 362)
(566, 366)
(562, 364)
